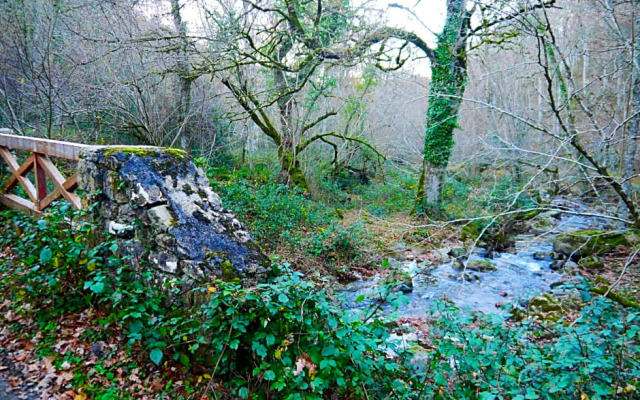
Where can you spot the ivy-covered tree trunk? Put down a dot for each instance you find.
(291, 172)
(448, 80)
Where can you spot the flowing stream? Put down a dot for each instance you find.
(517, 275)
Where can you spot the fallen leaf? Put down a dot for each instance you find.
(304, 361)
(63, 378)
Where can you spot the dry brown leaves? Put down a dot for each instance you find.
(50, 365)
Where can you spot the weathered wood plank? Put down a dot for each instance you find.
(18, 203)
(17, 170)
(53, 148)
(41, 181)
(69, 185)
(22, 171)
(58, 181)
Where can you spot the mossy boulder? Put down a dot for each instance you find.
(475, 265)
(591, 263)
(458, 252)
(541, 255)
(402, 280)
(544, 307)
(586, 243)
(542, 222)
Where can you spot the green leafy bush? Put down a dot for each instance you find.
(288, 340)
(55, 256)
(481, 356)
(285, 339)
(274, 213)
(337, 242)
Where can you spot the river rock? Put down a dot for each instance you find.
(458, 252)
(541, 255)
(556, 265)
(591, 263)
(474, 265)
(402, 280)
(465, 276)
(585, 243)
(174, 222)
(543, 221)
(545, 308)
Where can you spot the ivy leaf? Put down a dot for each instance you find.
(270, 339)
(282, 298)
(330, 351)
(45, 255)
(269, 375)
(156, 356)
(136, 326)
(97, 287)
(243, 392)
(259, 349)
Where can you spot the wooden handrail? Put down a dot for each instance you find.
(43, 169)
(52, 148)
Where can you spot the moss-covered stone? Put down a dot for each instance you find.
(475, 265)
(458, 252)
(586, 243)
(143, 151)
(402, 280)
(181, 225)
(545, 308)
(591, 263)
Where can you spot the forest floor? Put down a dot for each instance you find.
(80, 356)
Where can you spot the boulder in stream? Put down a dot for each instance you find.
(458, 252)
(474, 265)
(402, 280)
(586, 243)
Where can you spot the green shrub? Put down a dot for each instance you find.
(480, 356)
(288, 340)
(274, 213)
(285, 339)
(337, 242)
(55, 258)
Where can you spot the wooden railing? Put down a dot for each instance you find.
(43, 168)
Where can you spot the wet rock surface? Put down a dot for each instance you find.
(161, 207)
(588, 242)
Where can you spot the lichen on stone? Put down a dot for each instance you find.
(179, 224)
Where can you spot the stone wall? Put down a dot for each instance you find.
(161, 207)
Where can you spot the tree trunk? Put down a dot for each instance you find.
(185, 79)
(448, 80)
(291, 172)
(631, 144)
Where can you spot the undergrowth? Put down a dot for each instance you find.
(290, 339)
